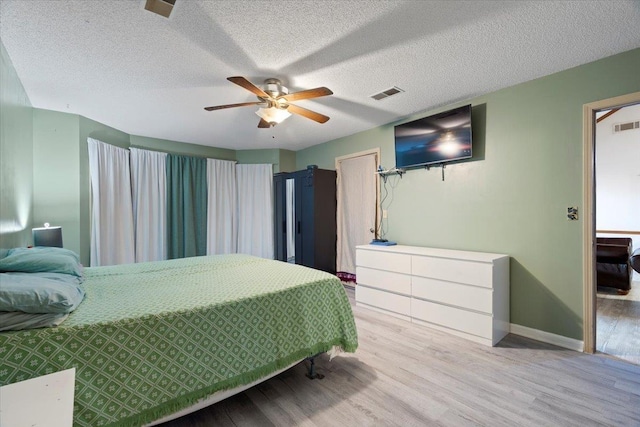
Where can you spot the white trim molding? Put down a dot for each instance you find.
(375, 151)
(547, 337)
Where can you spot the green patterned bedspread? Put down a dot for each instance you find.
(153, 338)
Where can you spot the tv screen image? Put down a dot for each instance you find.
(440, 138)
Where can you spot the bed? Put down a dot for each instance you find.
(151, 339)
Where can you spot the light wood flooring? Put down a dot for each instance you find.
(618, 323)
(409, 375)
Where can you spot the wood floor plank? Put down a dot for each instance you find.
(274, 409)
(409, 375)
(618, 323)
(274, 412)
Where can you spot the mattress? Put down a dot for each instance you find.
(153, 338)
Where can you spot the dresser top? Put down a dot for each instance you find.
(435, 252)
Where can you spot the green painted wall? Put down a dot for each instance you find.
(16, 158)
(173, 147)
(61, 181)
(287, 161)
(324, 155)
(259, 156)
(282, 160)
(56, 173)
(513, 197)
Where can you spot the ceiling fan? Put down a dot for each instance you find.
(275, 101)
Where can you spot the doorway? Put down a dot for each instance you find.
(617, 177)
(600, 333)
(357, 208)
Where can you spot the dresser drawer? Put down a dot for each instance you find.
(399, 263)
(384, 300)
(465, 296)
(453, 270)
(385, 280)
(477, 324)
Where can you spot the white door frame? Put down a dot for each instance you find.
(589, 226)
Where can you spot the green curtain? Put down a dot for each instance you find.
(186, 206)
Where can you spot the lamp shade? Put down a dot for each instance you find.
(47, 236)
(273, 115)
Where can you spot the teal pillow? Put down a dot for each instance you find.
(45, 250)
(33, 293)
(67, 278)
(17, 320)
(42, 260)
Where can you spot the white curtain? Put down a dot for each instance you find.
(222, 222)
(112, 211)
(255, 210)
(356, 208)
(148, 182)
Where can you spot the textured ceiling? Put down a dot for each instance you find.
(118, 64)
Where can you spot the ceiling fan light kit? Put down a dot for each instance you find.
(273, 115)
(274, 101)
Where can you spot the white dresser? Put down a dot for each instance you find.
(45, 401)
(460, 292)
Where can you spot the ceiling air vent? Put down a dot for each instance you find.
(619, 127)
(387, 93)
(161, 7)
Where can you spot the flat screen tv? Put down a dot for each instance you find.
(440, 138)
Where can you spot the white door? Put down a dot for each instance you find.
(357, 190)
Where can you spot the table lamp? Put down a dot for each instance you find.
(47, 236)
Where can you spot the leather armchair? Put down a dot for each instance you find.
(613, 265)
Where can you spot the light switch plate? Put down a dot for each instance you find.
(572, 213)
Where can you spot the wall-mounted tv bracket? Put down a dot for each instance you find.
(442, 165)
(386, 173)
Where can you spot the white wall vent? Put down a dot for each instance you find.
(619, 127)
(161, 7)
(387, 93)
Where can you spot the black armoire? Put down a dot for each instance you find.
(313, 205)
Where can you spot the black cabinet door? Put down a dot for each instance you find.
(324, 222)
(315, 218)
(305, 183)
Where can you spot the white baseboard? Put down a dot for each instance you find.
(547, 337)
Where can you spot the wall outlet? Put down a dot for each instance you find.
(572, 213)
(385, 213)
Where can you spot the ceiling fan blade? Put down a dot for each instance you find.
(320, 118)
(264, 124)
(243, 104)
(241, 81)
(307, 94)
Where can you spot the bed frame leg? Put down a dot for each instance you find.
(312, 374)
